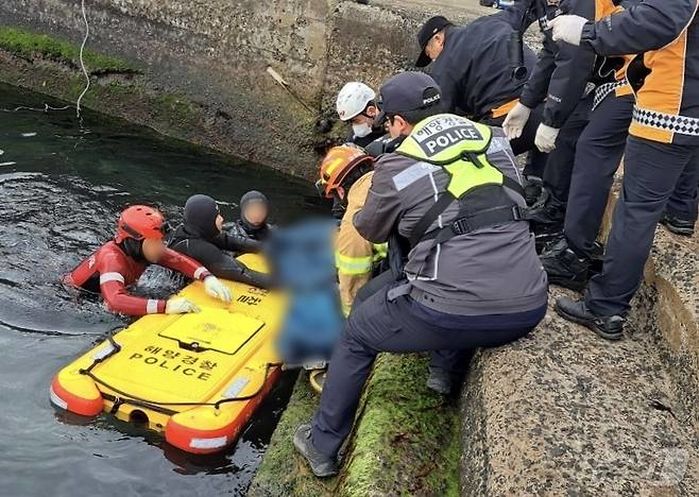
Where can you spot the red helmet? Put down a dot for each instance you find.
(140, 222)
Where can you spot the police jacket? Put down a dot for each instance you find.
(474, 71)
(490, 267)
(563, 71)
(667, 104)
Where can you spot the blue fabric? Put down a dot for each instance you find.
(303, 262)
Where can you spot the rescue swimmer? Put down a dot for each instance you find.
(202, 238)
(472, 277)
(119, 263)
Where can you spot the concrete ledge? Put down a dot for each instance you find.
(563, 412)
(406, 441)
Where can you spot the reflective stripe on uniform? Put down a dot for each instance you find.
(200, 270)
(352, 265)
(682, 125)
(604, 90)
(107, 277)
(380, 251)
(152, 306)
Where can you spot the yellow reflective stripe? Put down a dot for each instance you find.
(346, 308)
(380, 251)
(352, 265)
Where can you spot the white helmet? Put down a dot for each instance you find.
(353, 99)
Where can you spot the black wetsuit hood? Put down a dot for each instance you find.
(200, 214)
(256, 231)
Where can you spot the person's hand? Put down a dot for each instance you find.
(545, 139)
(217, 290)
(567, 28)
(515, 121)
(180, 305)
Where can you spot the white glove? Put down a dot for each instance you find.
(567, 28)
(546, 138)
(180, 305)
(216, 289)
(515, 121)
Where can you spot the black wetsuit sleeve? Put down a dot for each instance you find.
(237, 243)
(222, 265)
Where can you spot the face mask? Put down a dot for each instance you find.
(361, 130)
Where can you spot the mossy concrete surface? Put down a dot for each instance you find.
(406, 440)
(32, 46)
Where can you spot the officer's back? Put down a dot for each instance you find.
(489, 265)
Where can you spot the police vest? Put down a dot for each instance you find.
(459, 146)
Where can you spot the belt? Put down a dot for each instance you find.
(602, 91)
(682, 125)
(504, 109)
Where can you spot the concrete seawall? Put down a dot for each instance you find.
(198, 70)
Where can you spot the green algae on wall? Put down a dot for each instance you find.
(29, 46)
(407, 441)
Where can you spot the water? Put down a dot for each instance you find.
(61, 188)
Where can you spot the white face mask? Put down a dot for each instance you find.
(361, 130)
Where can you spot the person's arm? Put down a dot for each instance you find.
(443, 73)
(571, 74)
(382, 209)
(176, 261)
(650, 25)
(536, 88)
(224, 266)
(237, 243)
(116, 296)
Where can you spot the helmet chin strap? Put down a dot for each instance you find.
(133, 248)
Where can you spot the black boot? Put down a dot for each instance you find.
(677, 225)
(440, 381)
(564, 267)
(321, 465)
(532, 189)
(609, 327)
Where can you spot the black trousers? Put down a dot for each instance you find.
(559, 166)
(597, 158)
(651, 172)
(401, 325)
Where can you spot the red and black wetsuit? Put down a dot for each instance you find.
(117, 270)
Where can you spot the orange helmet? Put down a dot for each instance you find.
(336, 165)
(140, 222)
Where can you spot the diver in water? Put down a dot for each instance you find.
(120, 262)
(201, 237)
(254, 209)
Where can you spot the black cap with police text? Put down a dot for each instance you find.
(433, 26)
(407, 91)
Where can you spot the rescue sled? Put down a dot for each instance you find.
(196, 378)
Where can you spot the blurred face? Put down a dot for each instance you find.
(255, 213)
(219, 222)
(153, 249)
(435, 46)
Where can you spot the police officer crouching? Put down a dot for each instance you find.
(472, 278)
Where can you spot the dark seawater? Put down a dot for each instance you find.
(62, 185)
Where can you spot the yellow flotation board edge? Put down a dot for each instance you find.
(196, 427)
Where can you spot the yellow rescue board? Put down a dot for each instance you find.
(197, 378)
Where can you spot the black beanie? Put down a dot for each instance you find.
(200, 214)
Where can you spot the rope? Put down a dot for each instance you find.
(82, 62)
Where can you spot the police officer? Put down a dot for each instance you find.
(472, 278)
(474, 68)
(662, 147)
(563, 80)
